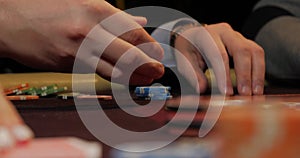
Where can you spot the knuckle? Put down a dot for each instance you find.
(248, 51)
(245, 50)
(65, 52)
(63, 58)
(259, 51)
(225, 25)
(100, 8)
(134, 36)
(78, 30)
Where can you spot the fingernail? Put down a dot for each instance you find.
(22, 133)
(246, 90)
(258, 90)
(6, 139)
(228, 91)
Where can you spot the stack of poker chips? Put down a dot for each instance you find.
(153, 92)
(42, 91)
(25, 92)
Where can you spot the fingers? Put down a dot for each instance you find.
(127, 57)
(248, 57)
(123, 44)
(139, 80)
(214, 51)
(125, 27)
(249, 62)
(258, 69)
(242, 64)
(200, 83)
(220, 65)
(12, 128)
(108, 71)
(11, 136)
(188, 57)
(242, 61)
(117, 37)
(139, 19)
(100, 46)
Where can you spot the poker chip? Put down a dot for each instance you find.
(153, 92)
(16, 88)
(53, 90)
(190, 148)
(159, 97)
(66, 96)
(102, 97)
(22, 97)
(43, 88)
(25, 92)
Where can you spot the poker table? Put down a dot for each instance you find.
(55, 117)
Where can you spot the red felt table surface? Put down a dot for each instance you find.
(52, 117)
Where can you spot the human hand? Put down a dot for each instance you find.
(248, 58)
(12, 128)
(46, 34)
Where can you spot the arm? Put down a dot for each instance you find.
(275, 26)
(46, 34)
(248, 57)
(283, 51)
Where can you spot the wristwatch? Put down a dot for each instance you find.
(181, 27)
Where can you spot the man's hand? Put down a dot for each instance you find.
(46, 34)
(248, 58)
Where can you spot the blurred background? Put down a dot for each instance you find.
(212, 11)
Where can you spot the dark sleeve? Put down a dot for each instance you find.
(259, 17)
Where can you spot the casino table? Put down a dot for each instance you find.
(55, 117)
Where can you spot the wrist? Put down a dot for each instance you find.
(179, 29)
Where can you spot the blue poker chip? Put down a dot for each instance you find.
(159, 97)
(152, 90)
(153, 95)
(181, 149)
